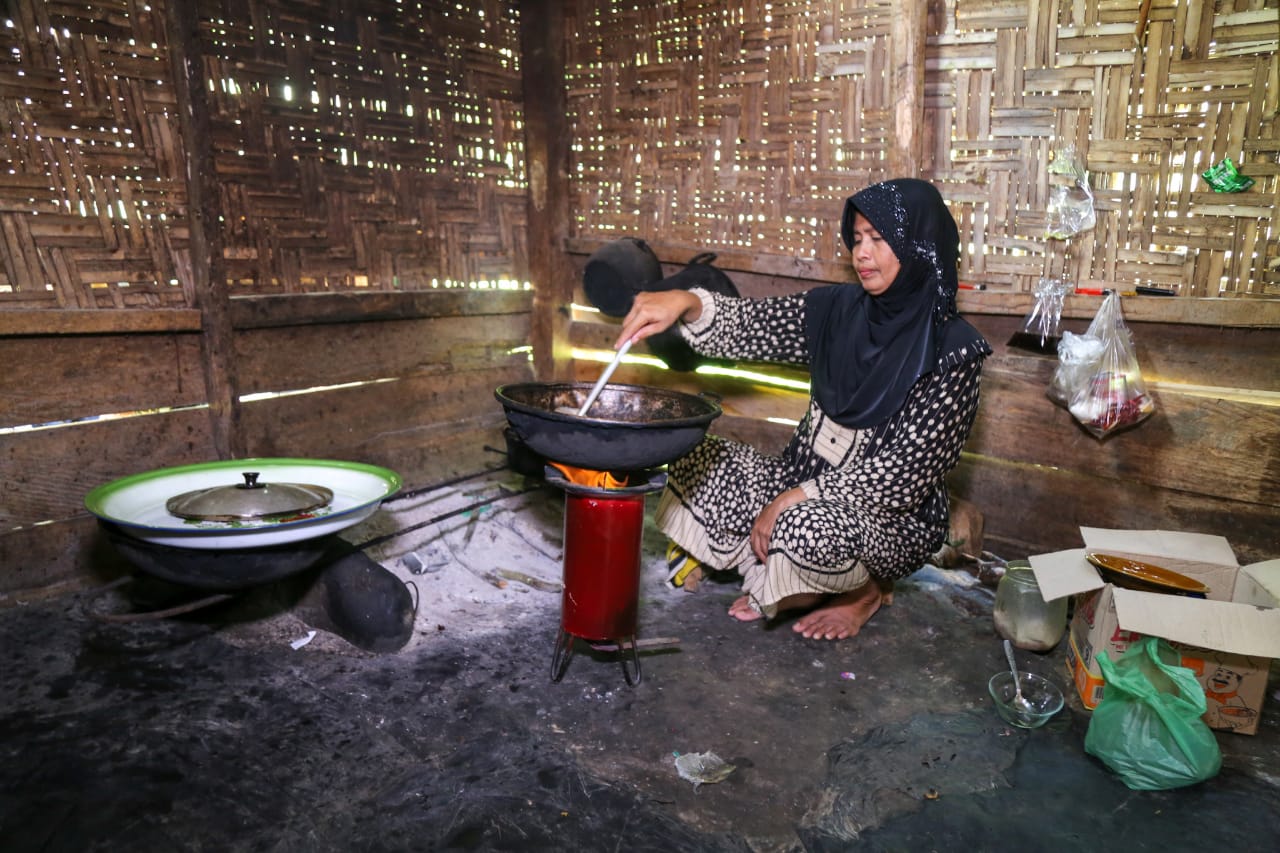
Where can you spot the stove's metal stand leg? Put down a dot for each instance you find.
(562, 655)
(623, 649)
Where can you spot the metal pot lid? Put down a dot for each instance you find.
(248, 500)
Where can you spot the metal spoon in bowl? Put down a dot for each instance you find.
(600, 383)
(1020, 702)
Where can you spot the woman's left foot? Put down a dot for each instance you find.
(843, 615)
(742, 610)
(683, 571)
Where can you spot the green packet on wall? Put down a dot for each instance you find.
(1224, 177)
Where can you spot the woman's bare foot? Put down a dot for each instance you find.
(742, 610)
(692, 580)
(843, 615)
(833, 617)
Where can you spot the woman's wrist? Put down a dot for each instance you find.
(699, 318)
(694, 307)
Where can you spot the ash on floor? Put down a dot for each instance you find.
(218, 730)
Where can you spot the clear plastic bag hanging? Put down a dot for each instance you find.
(1070, 209)
(1040, 328)
(1098, 379)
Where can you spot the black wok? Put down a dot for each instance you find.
(224, 569)
(629, 427)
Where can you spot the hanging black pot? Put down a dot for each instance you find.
(618, 270)
(668, 345)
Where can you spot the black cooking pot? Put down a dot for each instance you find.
(617, 271)
(629, 427)
(224, 569)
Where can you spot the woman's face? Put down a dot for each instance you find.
(874, 262)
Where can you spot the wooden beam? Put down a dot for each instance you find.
(1031, 509)
(310, 309)
(1244, 313)
(208, 287)
(47, 472)
(313, 356)
(425, 427)
(94, 321)
(906, 57)
(61, 378)
(56, 558)
(547, 165)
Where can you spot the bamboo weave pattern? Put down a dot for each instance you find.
(744, 126)
(378, 144)
(358, 144)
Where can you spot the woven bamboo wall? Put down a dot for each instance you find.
(92, 187)
(743, 126)
(359, 144)
(369, 142)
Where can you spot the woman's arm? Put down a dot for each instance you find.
(652, 312)
(770, 329)
(762, 527)
(719, 326)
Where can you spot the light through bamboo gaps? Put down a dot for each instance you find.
(372, 145)
(743, 126)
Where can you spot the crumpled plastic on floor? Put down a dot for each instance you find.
(434, 557)
(303, 640)
(703, 768)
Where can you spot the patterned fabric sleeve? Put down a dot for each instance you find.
(770, 329)
(921, 444)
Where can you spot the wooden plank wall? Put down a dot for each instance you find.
(1206, 461)
(348, 280)
(394, 379)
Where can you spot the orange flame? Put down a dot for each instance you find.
(587, 477)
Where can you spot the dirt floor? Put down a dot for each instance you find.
(234, 727)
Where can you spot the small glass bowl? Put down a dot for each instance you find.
(1043, 698)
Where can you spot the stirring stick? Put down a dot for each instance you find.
(608, 371)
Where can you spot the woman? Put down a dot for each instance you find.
(857, 498)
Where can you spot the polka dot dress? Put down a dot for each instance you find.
(876, 500)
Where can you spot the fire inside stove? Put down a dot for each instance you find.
(603, 529)
(593, 479)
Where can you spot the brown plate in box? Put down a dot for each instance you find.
(1132, 574)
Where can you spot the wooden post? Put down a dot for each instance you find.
(906, 58)
(547, 165)
(208, 287)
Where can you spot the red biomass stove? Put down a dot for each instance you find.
(603, 528)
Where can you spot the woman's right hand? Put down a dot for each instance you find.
(762, 528)
(655, 311)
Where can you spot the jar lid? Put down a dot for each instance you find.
(1133, 574)
(1019, 571)
(248, 500)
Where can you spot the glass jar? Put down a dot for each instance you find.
(1022, 616)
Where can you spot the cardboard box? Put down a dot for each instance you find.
(1227, 638)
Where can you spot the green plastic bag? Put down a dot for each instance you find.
(1147, 728)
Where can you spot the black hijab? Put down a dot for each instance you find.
(867, 351)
